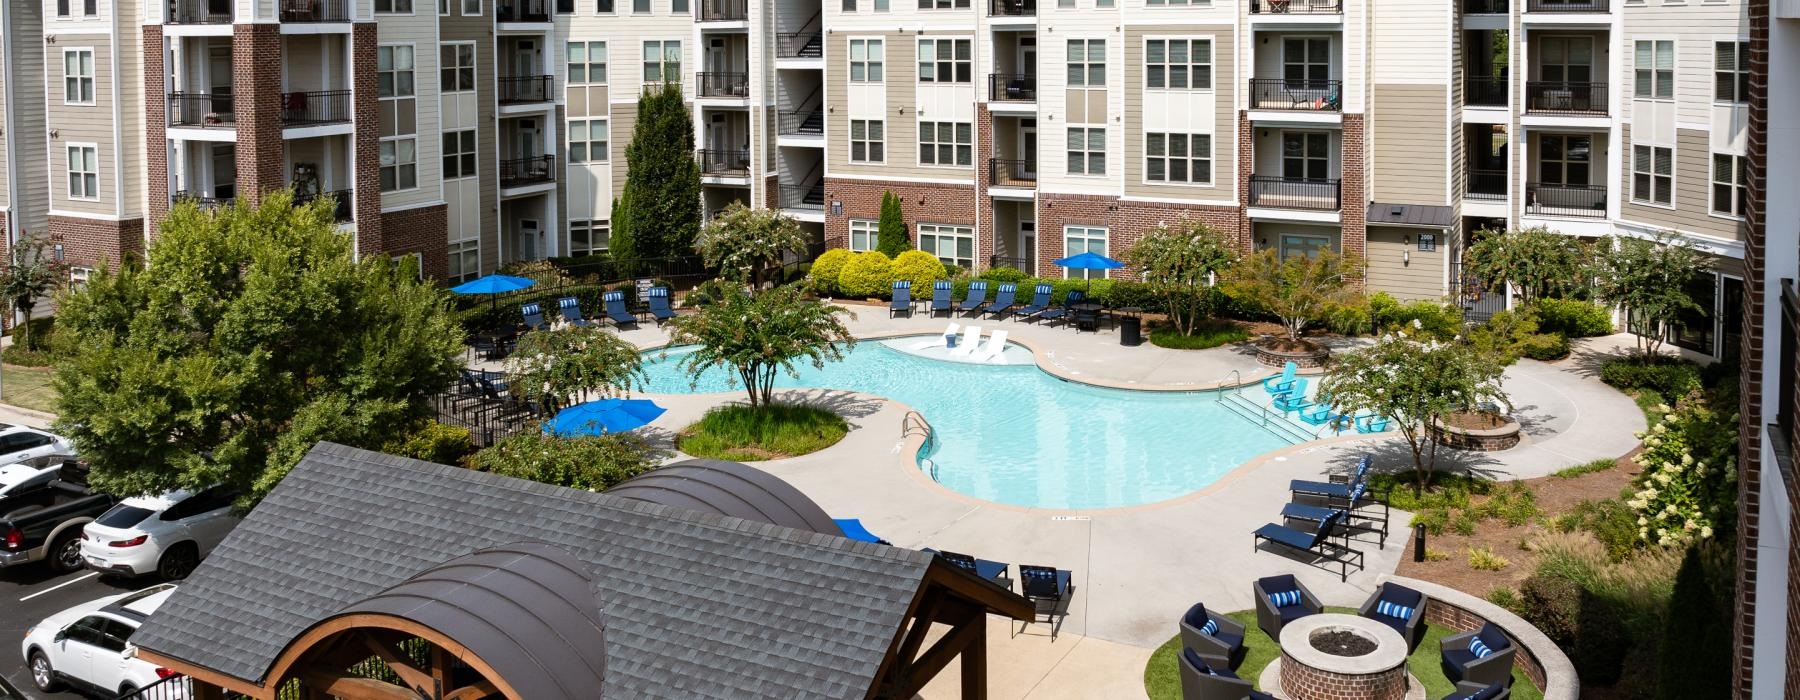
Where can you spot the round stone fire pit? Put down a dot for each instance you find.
(1342, 657)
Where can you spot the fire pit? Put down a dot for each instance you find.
(1341, 657)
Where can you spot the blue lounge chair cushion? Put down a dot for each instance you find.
(1285, 535)
(1040, 300)
(659, 303)
(1479, 648)
(1302, 511)
(1292, 613)
(853, 529)
(1003, 300)
(1210, 627)
(940, 295)
(1490, 637)
(1460, 658)
(615, 308)
(1231, 640)
(976, 296)
(1394, 610)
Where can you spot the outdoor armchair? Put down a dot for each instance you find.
(1477, 691)
(1200, 681)
(1281, 383)
(1398, 607)
(1216, 638)
(902, 299)
(1049, 589)
(1483, 657)
(1280, 600)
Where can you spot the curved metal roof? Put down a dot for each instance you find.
(731, 489)
(530, 610)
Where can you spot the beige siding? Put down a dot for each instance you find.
(26, 65)
(623, 122)
(901, 75)
(1693, 185)
(82, 124)
(1694, 27)
(1398, 267)
(130, 113)
(487, 194)
(1224, 130)
(421, 33)
(1409, 144)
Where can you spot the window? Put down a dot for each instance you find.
(1730, 184)
(90, 8)
(394, 71)
(943, 4)
(399, 164)
(459, 154)
(397, 7)
(1306, 62)
(946, 143)
(1295, 245)
(604, 7)
(79, 275)
(955, 245)
(1655, 70)
(587, 62)
(1306, 155)
(1178, 158)
(1178, 64)
(1154, 3)
(1694, 328)
(84, 171)
(588, 141)
(1087, 62)
(1652, 174)
(868, 139)
(458, 67)
(471, 8)
(865, 60)
(78, 76)
(863, 234)
(1084, 239)
(443, 7)
(1087, 151)
(465, 261)
(589, 237)
(849, 5)
(662, 61)
(640, 6)
(1564, 160)
(62, 8)
(1731, 71)
(945, 61)
(679, 7)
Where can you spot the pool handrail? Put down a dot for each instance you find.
(914, 423)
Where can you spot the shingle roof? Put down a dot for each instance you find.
(696, 605)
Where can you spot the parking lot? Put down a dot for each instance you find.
(30, 593)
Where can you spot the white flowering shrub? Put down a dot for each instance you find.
(1688, 488)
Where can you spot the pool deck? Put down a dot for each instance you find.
(1137, 569)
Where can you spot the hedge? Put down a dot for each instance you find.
(919, 267)
(1670, 377)
(826, 268)
(868, 274)
(1439, 320)
(1573, 318)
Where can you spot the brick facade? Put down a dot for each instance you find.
(1246, 164)
(1125, 222)
(1353, 235)
(367, 149)
(256, 98)
(1302, 682)
(1750, 465)
(156, 140)
(96, 242)
(919, 202)
(420, 230)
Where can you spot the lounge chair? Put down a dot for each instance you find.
(943, 342)
(659, 305)
(1280, 600)
(1040, 300)
(1483, 657)
(1356, 520)
(902, 303)
(1283, 382)
(534, 316)
(1293, 399)
(1216, 638)
(974, 299)
(1075, 297)
(1476, 691)
(853, 529)
(1372, 424)
(1317, 543)
(571, 311)
(1335, 490)
(971, 337)
(989, 570)
(940, 297)
(1002, 303)
(1398, 607)
(615, 310)
(994, 349)
(1318, 414)
(1201, 681)
(1049, 589)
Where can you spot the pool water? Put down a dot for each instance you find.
(1014, 434)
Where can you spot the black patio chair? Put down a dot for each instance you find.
(1280, 600)
(990, 570)
(1202, 681)
(1483, 657)
(1398, 607)
(1476, 691)
(1317, 543)
(1050, 589)
(1216, 638)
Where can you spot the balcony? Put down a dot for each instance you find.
(722, 10)
(1486, 7)
(729, 163)
(803, 122)
(1296, 7)
(799, 45)
(728, 85)
(1567, 6)
(343, 199)
(315, 108)
(1485, 91)
(201, 109)
(1012, 87)
(519, 172)
(521, 89)
(805, 198)
(1012, 8)
(1585, 99)
(1012, 173)
(1294, 193)
(312, 11)
(523, 11)
(1296, 95)
(1009, 261)
(199, 201)
(1584, 201)
(199, 12)
(1486, 185)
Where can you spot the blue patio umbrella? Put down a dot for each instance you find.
(1089, 261)
(493, 284)
(603, 416)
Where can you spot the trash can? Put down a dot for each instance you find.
(1131, 331)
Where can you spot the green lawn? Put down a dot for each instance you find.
(1210, 333)
(740, 433)
(27, 387)
(1162, 676)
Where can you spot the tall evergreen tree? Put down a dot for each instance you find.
(891, 235)
(659, 212)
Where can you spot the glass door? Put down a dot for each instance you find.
(1305, 155)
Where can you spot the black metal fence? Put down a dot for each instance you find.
(1004, 172)
(1485, 91)
(343, 202)
(803, 122)
(1486, 7)
(724, 84)
(1012, 87)
(526, 88)
(1294, 193)
(201, 201)
(318, 107)
(1479, 299)
(1487, 184)
(1008, 261)
(722, 10)
(799, 45)
(522, 11)
(1565, 97)
(728, 161)
(804, 197)
(201, 109)
(200, 12)
(527, 171)
(1012, 8)
(315, 11)
(171, 688)
(1566, 6)
(1307, 95)
(1587, 201)
(1296, 7)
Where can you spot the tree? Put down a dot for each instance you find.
(1296, 290)
(743, 243)
(1539, 262)
(1648, 277)
(760, 336)
(253, 334)
(1413, 383)
(569, 362)
(29, 275)
(658, 212)
(891, 238)
(1179, 263)
(590, 462)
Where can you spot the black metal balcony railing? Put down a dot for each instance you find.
(201, 109)
(523, 11)
(312, 108)
(1015, 263)
(1012, 87)
(1485, 91)
(1486, 7)
(516, 172)
(803, 197)
(803, 122)
(1296, 7)
(1566, 98)
(1301, 95)
(724, 162)
(799, 45)
(1012, 8)
(1294, 193)
(1012, 173)
(526, 88)
(722, 10)
(343, 202)
(1587, 201)
(724, 84)
(199, 12)
(1566, 6)
(1486, 184)
(315, 11)
(201, 201)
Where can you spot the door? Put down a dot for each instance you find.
(1028, 148)
(207, 517)
(218, 79)
(527, 136)
(1564, 159)
(1566, 59)
(718, 60)
(525, 241)
(224, 170)
(1731, 318)
(80, 644)
(1028, 59)
(108, 667)
(718, 141)
(1306, 62)
(525, 58)
(1306, 155)
(1028, 246)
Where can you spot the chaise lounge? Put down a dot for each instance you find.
(902, 299)
(1317, 543)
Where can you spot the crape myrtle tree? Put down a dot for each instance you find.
(657, 214)
(743, 244)
(1538, 262)
(29, 275)
(1648, 277)
(1179, 263)
(252, 334)
(1298, 290)
(758, 337)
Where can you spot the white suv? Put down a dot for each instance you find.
(165, 535)
(28, 474)
(89, 645)
(19, 443)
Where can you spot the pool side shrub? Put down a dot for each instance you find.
(588, 462)
(1667, 376)
(1004, 274)
(823, 277)
(1210, 333)
(1545, 347)
(1573, 318)
(433, 442)
(746, 434)
(1688, 489)
(1484, 559)
(920, 268)
(868, 274)
(1438, 319)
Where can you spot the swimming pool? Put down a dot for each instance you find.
(1014, 434)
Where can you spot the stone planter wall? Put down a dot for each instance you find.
(1303, 359)
(1541, 660)
(1504, 437)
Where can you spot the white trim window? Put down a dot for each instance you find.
(1730, 184)
(662, 62)
(394, 71)
(640, 7)
(1087, 150)
(393, 7)
(1184, 159)
(456, 71)
(868, 141)
(471, 8)
(84, 171)
(946, 143)
(587, 63)
(863, 234)
(1731, 71)
(589, 237)
(464, 261)
(1178, 64)
(955, 245)
(946, 61)
(1084, 239)
(459, 154)
(590, 141)
(605, 7)
(399, 163)
(1087, 62)
(943, 4)
(79, 276)
(866, 60)
(1655, 70)
(1652, 174)
(78, 76)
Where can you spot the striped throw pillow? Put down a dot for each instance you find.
(1479, 648)
(1395, 610)
(1211, 627)
(1285, 598)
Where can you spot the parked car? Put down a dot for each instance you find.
(35, 472)
(41, 520)
(89, 645)
(19, 443)
(165, 535)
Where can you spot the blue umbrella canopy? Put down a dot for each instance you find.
(493, 284)
(604, 416)
(1089, 261)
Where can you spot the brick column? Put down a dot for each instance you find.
(1750, 398)
(987, 226)
(1246, 164)
(156, 140)
(367, 141)
(1354, 198)
(256, 100)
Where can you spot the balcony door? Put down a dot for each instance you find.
(1565, 159)
(1028, 148)
(1305, 155)
(224, 171)
(1028, 57)
(1566, 59)
(1306, 61)
(527, 135)
(525, 58)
